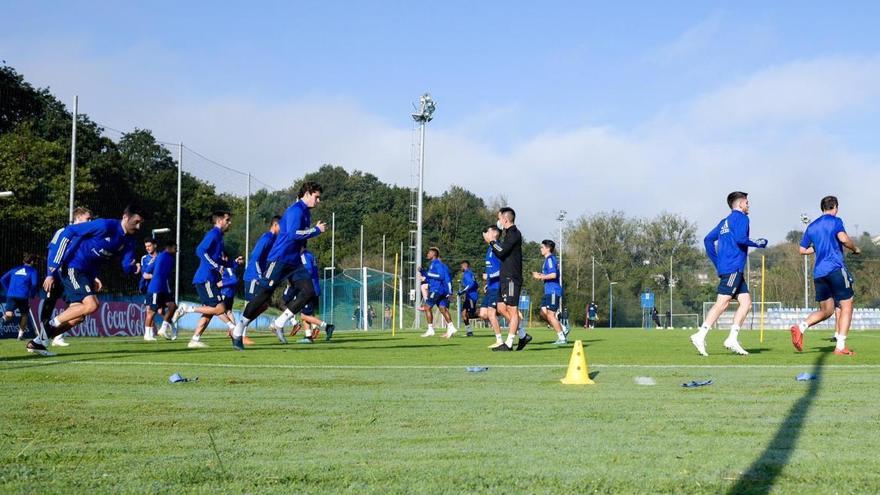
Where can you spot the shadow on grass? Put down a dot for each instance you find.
(762, 474)
(759, 350)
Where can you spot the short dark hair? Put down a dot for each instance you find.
(150, 240)
(29, 259)
(734, 197)
(81, 210)
(436, 251)
(218, 214)
(309, 187)
(828, 203)
(465, 262)
(132, 210)
(492, 227)
(275, 219)
(550, 245)
(508, 213)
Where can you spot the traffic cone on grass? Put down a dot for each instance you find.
(577, 367)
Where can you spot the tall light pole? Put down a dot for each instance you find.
(611, 304)
(561, 220)
(73, 156)
(806, 221)
(424, 115)
(671, 283)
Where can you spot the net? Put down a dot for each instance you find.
(358, 299)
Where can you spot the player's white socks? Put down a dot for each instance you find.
(230, 325)
(521, 332)
(560, 335)
(499, 338)
(148, 332)
(841, 342)
(282, 319)
(323, 325)
(734, 332)
(165, 326)
(196, 337)
(238, 331)
(308, 331)
(430, 328)
(54, 322)
(703, 331)
(509, 341)
(836, 335)
(802, 326)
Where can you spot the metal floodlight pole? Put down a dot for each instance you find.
(247, 221)
(561, 220)
(383, 281)
(73, 156)
(424, 115)
(332, 262)
(611, 304)
(362, 246)
(177, 235)
(670, 288)
(400, 281)
(593, 290)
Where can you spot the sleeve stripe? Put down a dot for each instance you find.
(61, 248)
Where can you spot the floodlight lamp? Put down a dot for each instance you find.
(426, 109)
(6, 194)
(805, 219)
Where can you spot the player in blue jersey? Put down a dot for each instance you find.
(207, 278)
(145, 267)
(826, 237)
(257, 262)
(552, 289)
(313, 324)
(468, 291)
(228, 287)
(731, 236)
(77, 256)
(160, 299)
(285, 259)
(492, 276)
(20, 284)
(50, 299)
(439, 289)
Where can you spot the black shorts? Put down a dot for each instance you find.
(837, 284)
(509, 292)
(311, 306)
(228, 301)
(21, 304)
(469, 305)
(158, 300)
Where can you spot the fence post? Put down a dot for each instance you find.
(177, 234)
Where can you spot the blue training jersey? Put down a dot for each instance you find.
(295, 230)
(551, 266)
(229, 280)
(20, 282)
(210, 254)
(468, 285)
(493, 270)
(732, 237)
(146, 267)
(593, 310)
(822, 235)
(439, 280)
(85, 246)
(162, 266)
(308, 260)
(257, 261)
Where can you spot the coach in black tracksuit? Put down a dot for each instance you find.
(509, 251)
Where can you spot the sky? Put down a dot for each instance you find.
(585, 107)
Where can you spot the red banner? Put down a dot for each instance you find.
(123, 319)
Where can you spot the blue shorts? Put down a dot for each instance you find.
(490, 299)
(77, 286)
(158, 300)
(309, 308)
(289, 293)
(437, 299)
(209, 293)
(551, 302)
(732, 284)
(278, 271)
(837, 284)
(251, 287)
(21, 304)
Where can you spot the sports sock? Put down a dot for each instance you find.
(282, 319)
(468, 327)
(703, 331)
(196, 337)
(430, 328)
(244, 333)
(836, 335)
(560, 335)
(521, 332)
(323, 325)
(841, 343)
(238, 331)
(165, 326)
(499, 338)
(308, 331)
(148, 331)
(509, 341)
(54, 322)
(802, 326)
(230, 325)
(734, 332)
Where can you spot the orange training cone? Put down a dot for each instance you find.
(577, 367)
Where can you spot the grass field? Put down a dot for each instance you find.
(371, 413)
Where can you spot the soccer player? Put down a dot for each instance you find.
(729, 258)
(470, 290)
(228, 288)
(285, 259)
(509, 251)
(210, 254)
(552, 289)
(492, 276)
(145, 267)
(314, 325)
(76, 258)
(592, 314)
(256, 265)
(50, 299)
(159, 297)
(439, 288)
(20, 284)
(833, 281)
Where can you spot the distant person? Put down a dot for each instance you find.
(509, 250)
(20, 284)
(733, 243)
(563, 317)
(832, 279)
(552, 290)
(387, 316)
(145, 267)
(592, 314)
(371, 315)
(468, 291)
(655, 315)
(160, 299)
(357, 316)
(668, 319)
(439, 290)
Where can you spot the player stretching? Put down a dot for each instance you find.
(285, 259)
(76, 258)
(20, 284)
(50, 299)
(732, 236)
(210, 254)
(492, 275)
(439, 289)
(833, 281)
(470, 290)
(552, 290)
(509, 251)
(159, 297)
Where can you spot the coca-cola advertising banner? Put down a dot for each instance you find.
(113, 318)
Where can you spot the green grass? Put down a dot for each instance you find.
(371, 413)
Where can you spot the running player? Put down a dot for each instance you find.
(313, 324)
(256, 265)
(228, 288)
(592, 314)
(80, 251)
(509, 251)
(210, 254)
(439, 289)
(159, 297)
(285, 260)
(552, 289)
(732, 237)
(50, 299)
(469, 289)
(145, 267)
(833, 281)
(20, 284)
(492, 276)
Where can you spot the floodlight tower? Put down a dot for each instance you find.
(424, 115)
(561, 220)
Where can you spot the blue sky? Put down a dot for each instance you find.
(646, 105)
